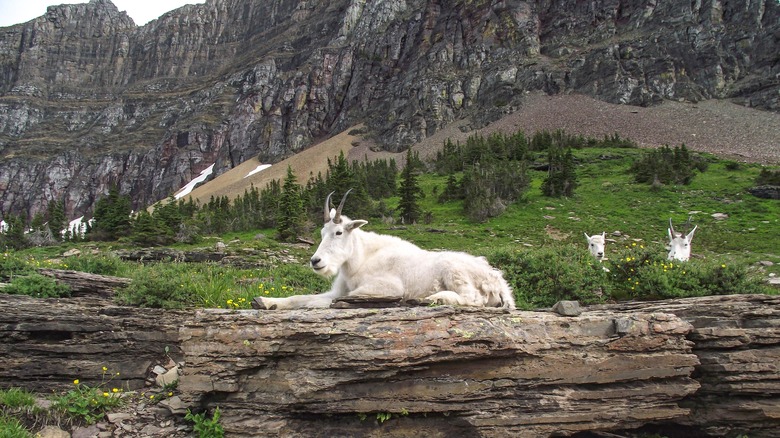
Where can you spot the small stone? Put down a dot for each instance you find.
(118, 417)
(220, 246)
(567, 308)
(71, 253)
(766, 263)
(623, 325)
(85, 432)
(159, 370)
(168, 377)
(719, 216)
(52, 432)
(150, 429)
(175, 405)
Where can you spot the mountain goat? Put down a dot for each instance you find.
(366, 264)
(679, 245)
(596, 244)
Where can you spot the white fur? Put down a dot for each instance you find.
(596, 244)
(367, 264)
(679, 245)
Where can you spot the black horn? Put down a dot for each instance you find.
(327, 207)
(337, 218)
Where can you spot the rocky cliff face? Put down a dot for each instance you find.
(88, 99)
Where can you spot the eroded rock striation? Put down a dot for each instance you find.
(88, 99)
(706, 364)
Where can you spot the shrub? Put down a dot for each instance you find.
(155, 286)
(645, 274)
(38, 286)
(768, 177)
(12, 265)
(544, 276)
(206, 427)
(667, 166)
(90, 403)
(101, 264)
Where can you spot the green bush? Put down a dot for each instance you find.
(12, 265)
(667, 166)
(38, 286)
(99, 264)
(156, 285)
(768, 177)
(90, 403)
(206, 427)
(645, 274)
(541, 277)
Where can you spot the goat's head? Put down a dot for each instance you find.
(596, 244)
(679, 245)
(337, 243)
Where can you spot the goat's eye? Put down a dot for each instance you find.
(339, 233)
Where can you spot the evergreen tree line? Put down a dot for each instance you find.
(292, 209)
(488, 174)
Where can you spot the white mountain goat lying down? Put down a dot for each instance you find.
(596, 244)
(367, 264)
(679, 245)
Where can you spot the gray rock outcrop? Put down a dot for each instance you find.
(88, 99)
(708, 364)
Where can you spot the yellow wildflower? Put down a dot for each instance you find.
(76, 382)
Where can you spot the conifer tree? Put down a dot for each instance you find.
(112, 216)
(562, 177)
(55, 215)
(13, 236)
(290, 215)
(410, 191)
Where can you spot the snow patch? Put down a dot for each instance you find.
(77, 227)
(184, 191)
(258, 169)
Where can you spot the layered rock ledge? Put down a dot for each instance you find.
(708, 364)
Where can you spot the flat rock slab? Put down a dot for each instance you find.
(435, 371)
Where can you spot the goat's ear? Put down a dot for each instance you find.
(690, 235)
(357, 223)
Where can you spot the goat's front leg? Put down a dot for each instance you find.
(315, 301)
(379, 287)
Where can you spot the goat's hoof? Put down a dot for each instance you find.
(258, 304)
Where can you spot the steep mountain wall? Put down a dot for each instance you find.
(88, 99)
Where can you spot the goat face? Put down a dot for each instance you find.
(679, 245)
(596, 244)
(337, 245)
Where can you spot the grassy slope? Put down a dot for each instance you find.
(608, 200)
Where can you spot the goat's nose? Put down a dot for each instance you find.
(601, 254)
(315, 261)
